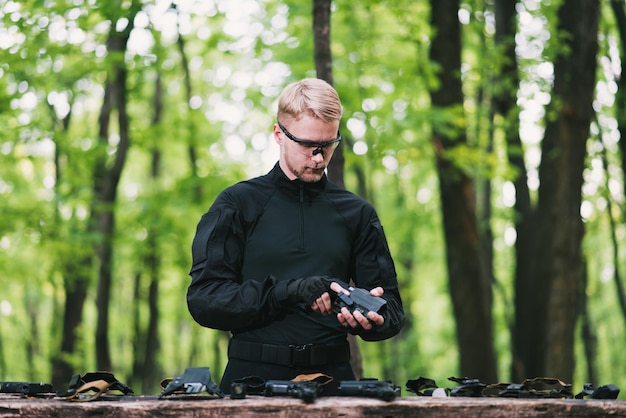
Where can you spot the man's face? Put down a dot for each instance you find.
(301, 156)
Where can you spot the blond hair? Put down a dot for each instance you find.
(310, 96)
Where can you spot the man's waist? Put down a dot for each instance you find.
(304, 355)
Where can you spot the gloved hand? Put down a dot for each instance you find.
(302, 292)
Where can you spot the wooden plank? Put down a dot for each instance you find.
(285, 407)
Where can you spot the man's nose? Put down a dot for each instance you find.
(318, 154)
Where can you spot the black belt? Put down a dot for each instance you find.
(305, 355)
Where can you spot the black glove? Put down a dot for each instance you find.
(302, 292)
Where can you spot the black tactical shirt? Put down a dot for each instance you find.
(270, 229)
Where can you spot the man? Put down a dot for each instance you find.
(269, 256)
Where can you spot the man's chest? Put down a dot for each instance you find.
(294, 239)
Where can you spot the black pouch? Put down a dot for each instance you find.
(422, 386)
(100, 382)
(467, 387)
(193, 380)
(602, 392)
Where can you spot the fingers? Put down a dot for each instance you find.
(336, 287)
(357, 319)
(377, 291)
(346, 319)
(376, 318)
(323, 304)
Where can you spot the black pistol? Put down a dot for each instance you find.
(371, 388)
(307, 391)
(359, 300)
(26, 388)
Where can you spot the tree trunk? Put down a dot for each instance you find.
(106, 180)
(146, 342)
(590, 341)
(505, 104)
(75, 268)
(469, 284)
(485, 110)
(33, 342)
(151, 368)
(559, 225)
(198, 189)
(324, 70)
(139, 337)
(76, 274)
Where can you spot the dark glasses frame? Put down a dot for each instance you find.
(319, 146)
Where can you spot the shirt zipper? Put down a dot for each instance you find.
(301, 214)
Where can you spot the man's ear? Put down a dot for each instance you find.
(277, 132)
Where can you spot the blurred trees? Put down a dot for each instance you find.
(486, 133)
(548, 294)
(469, 283)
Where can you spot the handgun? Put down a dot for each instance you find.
(359, 300)
(307, 391)
(27, 388)
(371, 388)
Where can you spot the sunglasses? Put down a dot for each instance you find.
(317, 147)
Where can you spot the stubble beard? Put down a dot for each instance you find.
(306, 174)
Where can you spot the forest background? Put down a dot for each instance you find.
(486, 133)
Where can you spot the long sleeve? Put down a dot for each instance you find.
(374, 267)
(217, 297)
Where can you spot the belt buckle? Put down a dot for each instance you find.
(300, 354)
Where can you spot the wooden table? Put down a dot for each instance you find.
(286, 407)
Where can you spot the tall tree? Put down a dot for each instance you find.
(469, 284)
(324, 69)
(147, 344)
(505, 97)
(552, 287)
(107, 173)
(74, 241)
